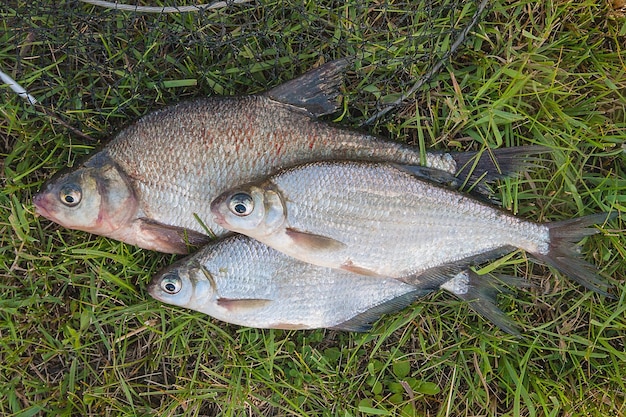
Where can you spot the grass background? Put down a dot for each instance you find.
(80, 336)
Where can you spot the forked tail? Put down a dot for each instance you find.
(564, 255)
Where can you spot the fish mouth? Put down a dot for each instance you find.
(41, 202)
(151, 288)
(218, 217)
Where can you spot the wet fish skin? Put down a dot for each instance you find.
(241, 281)
(379, 219)
(150, 186)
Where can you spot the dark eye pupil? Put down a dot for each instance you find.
(170, 287)
(69, 199)
(240, 208)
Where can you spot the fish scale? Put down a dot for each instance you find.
(242, 281)
(151, 185)
(388, 220)
(404, 216)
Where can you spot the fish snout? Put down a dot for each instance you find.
(41, 203)
(218, 217)
(151, 288)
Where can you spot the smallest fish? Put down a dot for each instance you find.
(242, 281)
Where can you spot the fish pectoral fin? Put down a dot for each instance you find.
(362, 322)
(312, 241)
(172, 239)
(316, 90)
(231, 304)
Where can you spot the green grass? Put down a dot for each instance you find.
(79, 335)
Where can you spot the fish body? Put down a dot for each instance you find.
(241, 281)
(152, 184)
(380, 219)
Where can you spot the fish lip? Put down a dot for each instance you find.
(150, 288)
(39, 201)
(218, 217)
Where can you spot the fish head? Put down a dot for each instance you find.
(93, 198)
(253, 210)
(184, 286)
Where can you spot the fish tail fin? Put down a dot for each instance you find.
(492, 164)
(564, 254)
(480, 292)
(316, 90)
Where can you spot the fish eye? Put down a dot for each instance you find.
(241, 204)
(70, 195)
(171, 284)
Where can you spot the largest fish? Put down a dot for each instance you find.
(152, 184)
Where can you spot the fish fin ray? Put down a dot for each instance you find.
(480, 292)
(316, 90)
(443, 178)
(489, 165)
(312, 241)
(434, 277)
(362, 322)
(435, 175)
(242, 303)
(564, 255)
(175, 239)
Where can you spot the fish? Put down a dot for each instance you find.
(151, 185)
(241, 281)
(389, 220)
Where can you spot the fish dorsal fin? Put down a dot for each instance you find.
(312, 241)
(316, 90)
(362, 322)
(232, 304)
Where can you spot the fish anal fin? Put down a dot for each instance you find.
(288, 326)
(316, 90)
(362, 322)
(171, 239)
(312, 241)
(433, 278)
(435, 175)
(480, 292)
(493, 164)
(442, 178)
(232, 304)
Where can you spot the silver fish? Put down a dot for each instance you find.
(378, 219)
(151, 185)
(241, 281)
